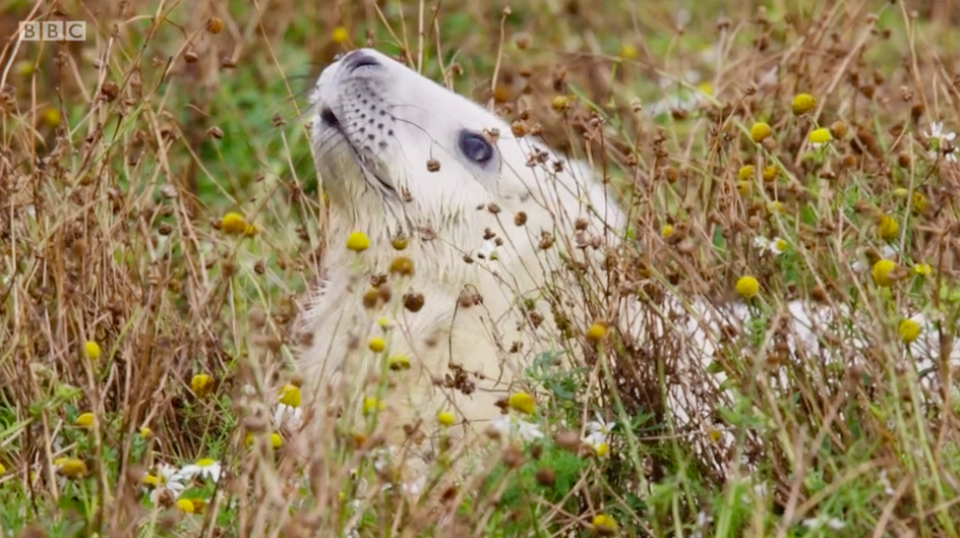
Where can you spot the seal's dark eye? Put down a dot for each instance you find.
(475, 147)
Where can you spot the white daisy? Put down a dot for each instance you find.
(287, 416)
(206, 467)
(774, 246)
(887, 252)
(600, 426)
(937, 137)
(511, 424)
(168, 478)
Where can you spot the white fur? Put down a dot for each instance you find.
(415, 121)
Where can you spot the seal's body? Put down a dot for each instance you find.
(482, 215)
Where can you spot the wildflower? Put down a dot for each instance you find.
(560, 103)
(370, 405)
(923, 269)
(600, 426)
(446, 418)
(3, 469)
(377, 344)
(748, 287)
(51, 116)
(919, 202)
(358, 242)
(596, 332)
(803, 103)
(908, 330)
(186, 505)
(84, 420)
(398, 362)
(775, 206)
(881, 272)
(290, 395)
(819, 137)
(340, 35)
(599, 445)
(71, 467)
(705, 87)
(235, 224)
(91, 350)
(887, 228)
(770, 173)
(937, 137)
(746, 172)
(399, 243)
(201, 384)
(888, 251)
(523, 402)
(276, 441)
(743, 187)
(204, 467)
(666, 231)
(145, 432)
(385, 323)
(774, 246)
(168, 478)
(513, 425)
(604, 525)
(401, 265)
(628, 51)
(760, 131)
(286, 415)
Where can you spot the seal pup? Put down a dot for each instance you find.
(410, 164)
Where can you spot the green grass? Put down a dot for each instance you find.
(93, 247)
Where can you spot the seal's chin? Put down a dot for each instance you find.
(334, 140)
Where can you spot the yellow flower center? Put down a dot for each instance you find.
(206, 462)
(748, 287)
(820, 136)
(523, 402)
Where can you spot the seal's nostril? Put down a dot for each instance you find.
(357, 59)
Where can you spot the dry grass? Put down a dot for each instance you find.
(119, 157)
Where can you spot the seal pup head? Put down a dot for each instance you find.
(394, 147)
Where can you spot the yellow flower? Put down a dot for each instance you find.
(908, 330)
(71, 467)
(919, 202)
(385, 323)
(770, 173)
(248, 439)
(145, 432)
(234, 223)
(748, 287)
(746, 171)
(399, 243)
(923, 269)
(51, 116)
(401, 265)
(887, 228)
(628, 51)
(601, 448)
(377, 344)
(881, 272)
(290, 395)
(371, 405)
(604, 524)
(358, 242)
(398, 362)
(760, 131)
(446, 418)
(803, 103)
(91, 350)
(523, 402)
(743, 187)
(275, 440)
(706, 88)
(775, 206)
(900, 192)
(596, 332)
(780, 245)
(151, 480)
(560, 103)
(3, 469)
(201, 384)
(84, 420)
(666, 231)
(340, 35)
(198, 504)
(24, 68)
(186, 505)
(820, 136)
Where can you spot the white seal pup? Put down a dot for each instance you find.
(483, 215)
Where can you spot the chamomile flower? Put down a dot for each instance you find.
(205, 468)
(512, 425)
(600, 426)
(168, 478)
(937, 137)
(286, 415)
(888, 252)
(774, 246)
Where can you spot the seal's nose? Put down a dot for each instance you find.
(357, 59)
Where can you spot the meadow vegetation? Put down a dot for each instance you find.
(160, 223)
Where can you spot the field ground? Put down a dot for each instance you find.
(144, 348)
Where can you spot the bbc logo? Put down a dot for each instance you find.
(53, 31)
